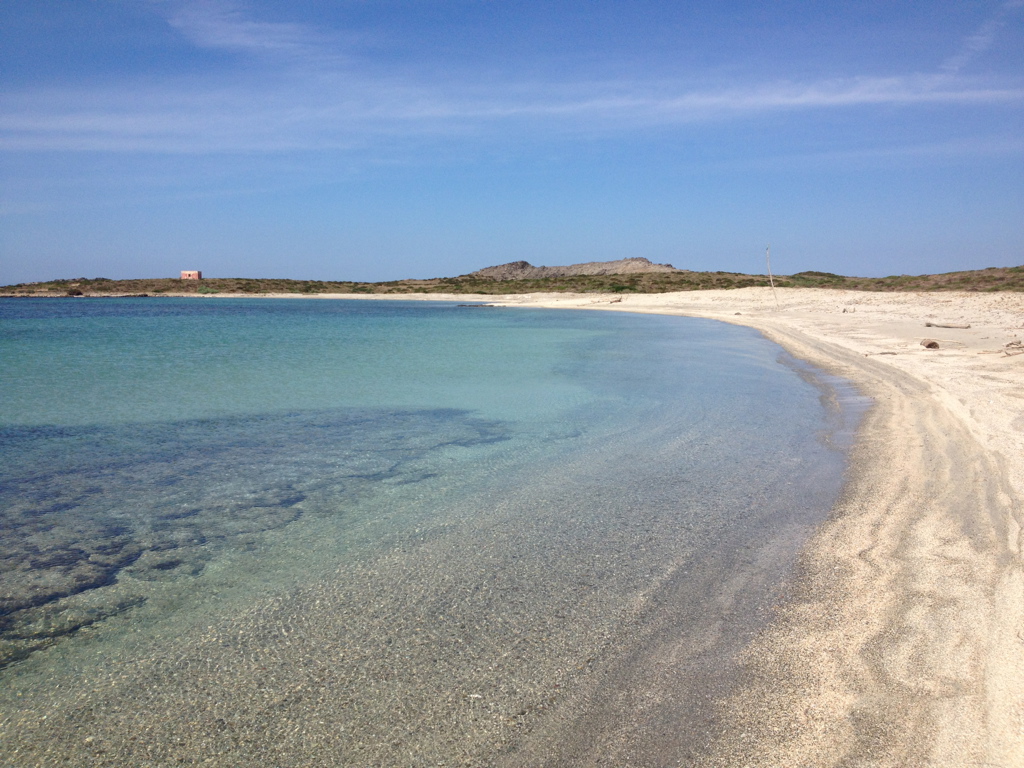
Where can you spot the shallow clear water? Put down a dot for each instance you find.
(539, 493)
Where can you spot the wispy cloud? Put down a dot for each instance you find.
(338, 113)
(982, 39)
(989, 147)
(309, 97)
(222, 25)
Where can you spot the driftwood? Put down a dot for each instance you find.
(929, 343)
(1014, 348)
(938, 325)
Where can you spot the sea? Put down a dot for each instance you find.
(293, 532)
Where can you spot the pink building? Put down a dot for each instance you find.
(191, 274)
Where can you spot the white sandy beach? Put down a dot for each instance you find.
(904, 644)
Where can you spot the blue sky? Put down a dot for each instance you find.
(380, 139)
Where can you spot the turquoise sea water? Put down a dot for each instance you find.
(420, 502)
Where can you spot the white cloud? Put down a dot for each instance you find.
(338, 112)
(223, 25)
(310, 100)
(982, 39)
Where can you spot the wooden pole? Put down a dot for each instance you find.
(768, 259)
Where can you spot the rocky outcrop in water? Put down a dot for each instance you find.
(92, 515)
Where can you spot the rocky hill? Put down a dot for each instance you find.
(523, 270)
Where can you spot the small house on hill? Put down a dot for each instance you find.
(191, 274)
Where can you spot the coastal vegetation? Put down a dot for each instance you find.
(992, 279)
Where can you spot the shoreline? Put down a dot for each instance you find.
(518, 596)
(903, 643)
